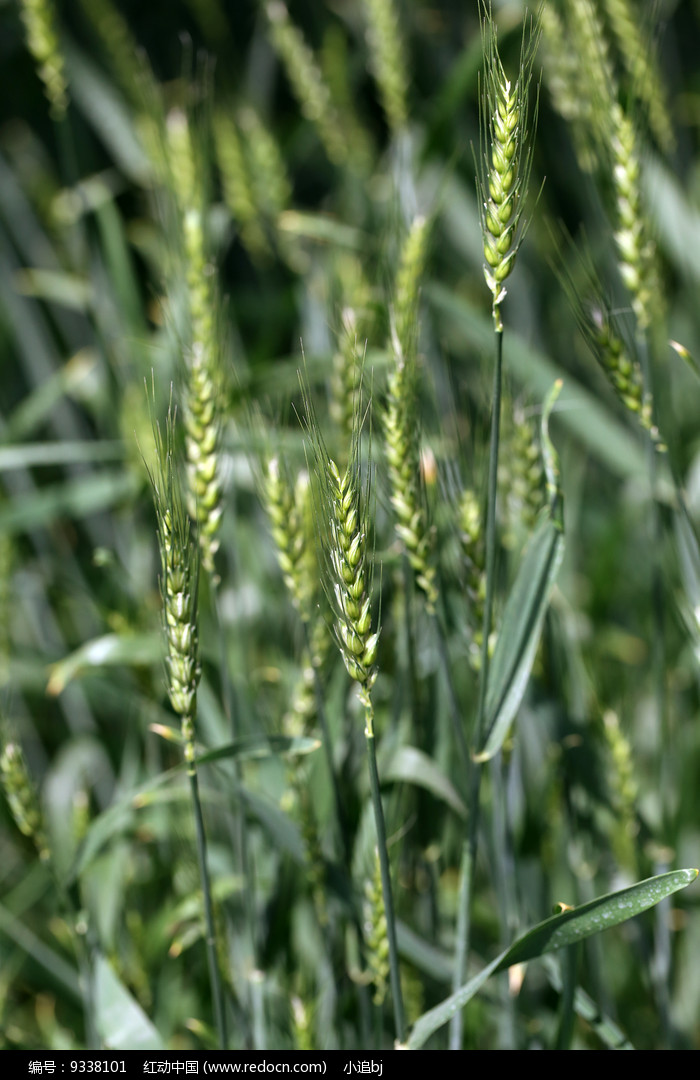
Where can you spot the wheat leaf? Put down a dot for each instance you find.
(555, 933)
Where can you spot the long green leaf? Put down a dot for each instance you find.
(121, 1022)
(519, 635)
(596, 915)
(555, 933)
(40, 402)
(255, 747)
(29, 455)
(56, 287)
(527, 604)
(410, 766)
(106, 651)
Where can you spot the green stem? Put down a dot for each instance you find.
(214, 976)
(469, 850)
(662, 945)
(239, 835)
(341, 820)
(501, 857)
(455, 712)
(411, 681)
(567, 1016)
(397, 998)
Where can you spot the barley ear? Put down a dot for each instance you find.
(506, 158)
(352, 297)
(351, 574)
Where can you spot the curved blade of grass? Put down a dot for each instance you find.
(105, 651)
(56, 287)
(121, 1022)
(107, 113)
(410, 766)
(320, 227)
(39, 403)
(76, 499)
(28, 455)
(555, 933)
(596, 915)
(252, 747)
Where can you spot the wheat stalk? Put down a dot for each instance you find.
(179, 555)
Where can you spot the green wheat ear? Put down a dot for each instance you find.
(506, 157)
(615, 355)
(20, 792)
(343, 524)
(179, 556)
(638, 55)
(635, 247)
(306, 80)
(39, 18)
(376, 931)
(203, 389)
